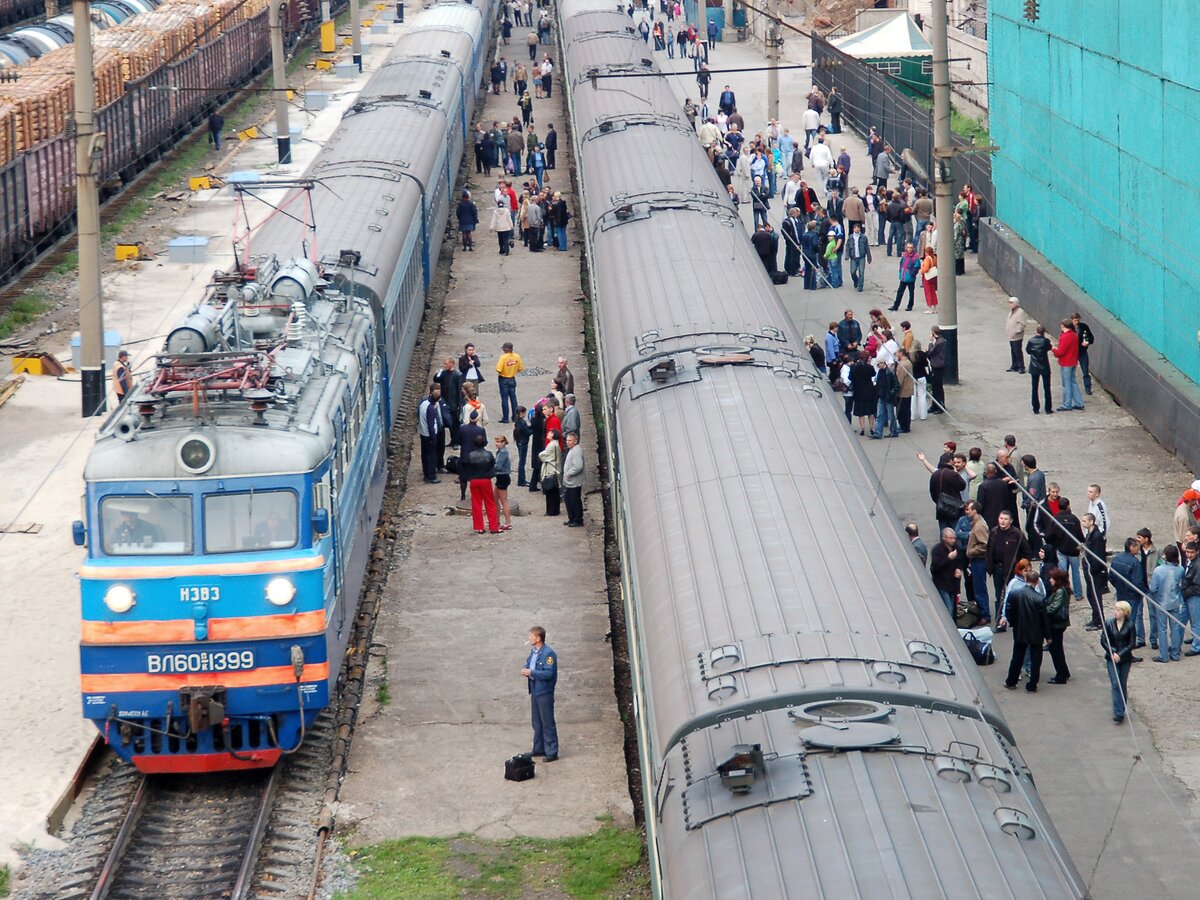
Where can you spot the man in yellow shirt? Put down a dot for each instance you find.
(507, 368)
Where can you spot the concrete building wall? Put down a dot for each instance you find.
(1096, 116)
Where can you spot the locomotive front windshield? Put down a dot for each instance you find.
(146, 525)
(255, 520)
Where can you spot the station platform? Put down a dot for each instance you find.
(1079, 758)
(450, 640)
(44, 444)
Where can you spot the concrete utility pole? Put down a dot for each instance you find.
(283, 131)
(943, 153)
(774, 42)
(88, 147)
(356, 33)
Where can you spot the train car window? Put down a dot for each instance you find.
(257, 520)
(146, 525)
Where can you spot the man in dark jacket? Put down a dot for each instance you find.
(467, 435)
(761, 239)
(1189, 586)
(551, 145)
(1086, 339)
(834, 106)
(944, 481)
(1030, 627)
(1006, 544)
(1129, 582)
(993, 495)
(217, 121)
(1038, 350)
(945, 567)
(431, 432)
(1035, 484)
(1065, 533)
(450, 380)
(792, 230)
(1095, 574)
(849, 333)
(727, 101)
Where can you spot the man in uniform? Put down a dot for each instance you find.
(133, 530)
(122, 375)
(541, 670)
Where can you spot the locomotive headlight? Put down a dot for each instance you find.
(280, 591)
(119, 598)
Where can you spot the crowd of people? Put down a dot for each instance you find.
(546, 437)
(516, 149)
(990, 571)
(826, 220)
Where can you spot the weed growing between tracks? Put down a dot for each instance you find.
(607, 863)
(24, 311)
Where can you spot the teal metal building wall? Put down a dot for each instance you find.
(1096, 109)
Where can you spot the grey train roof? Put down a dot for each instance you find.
(374, 167)
(767, 571)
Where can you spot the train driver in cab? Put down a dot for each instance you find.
(133, 529)
(274, 530)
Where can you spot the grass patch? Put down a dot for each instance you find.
(602, 864)
(68, 265)
(383, 693)
(24, 311)
(4, 875)
(966, 126)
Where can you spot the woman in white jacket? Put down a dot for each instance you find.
(502, 224)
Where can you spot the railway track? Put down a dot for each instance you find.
(189, 837)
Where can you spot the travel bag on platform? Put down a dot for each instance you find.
(779, 277)
(519, 768)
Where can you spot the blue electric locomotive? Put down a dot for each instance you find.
(231, 498)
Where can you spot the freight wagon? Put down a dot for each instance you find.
(154, 86)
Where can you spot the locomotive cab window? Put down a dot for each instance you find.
(257, 520)
(146, 525)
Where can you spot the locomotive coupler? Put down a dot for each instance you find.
(205, 707)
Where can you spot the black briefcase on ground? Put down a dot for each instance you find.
(779, 277)
(519, 768)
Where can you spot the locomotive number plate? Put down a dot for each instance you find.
(199, 594)
(205, 661)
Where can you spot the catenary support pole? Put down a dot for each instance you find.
(356, 32)
(774, 42)
(88, 147)
(283, 131)
(944, 190)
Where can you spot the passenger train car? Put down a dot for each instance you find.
(809, 721)
(231, 499)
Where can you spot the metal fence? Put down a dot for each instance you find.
(869, 97)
